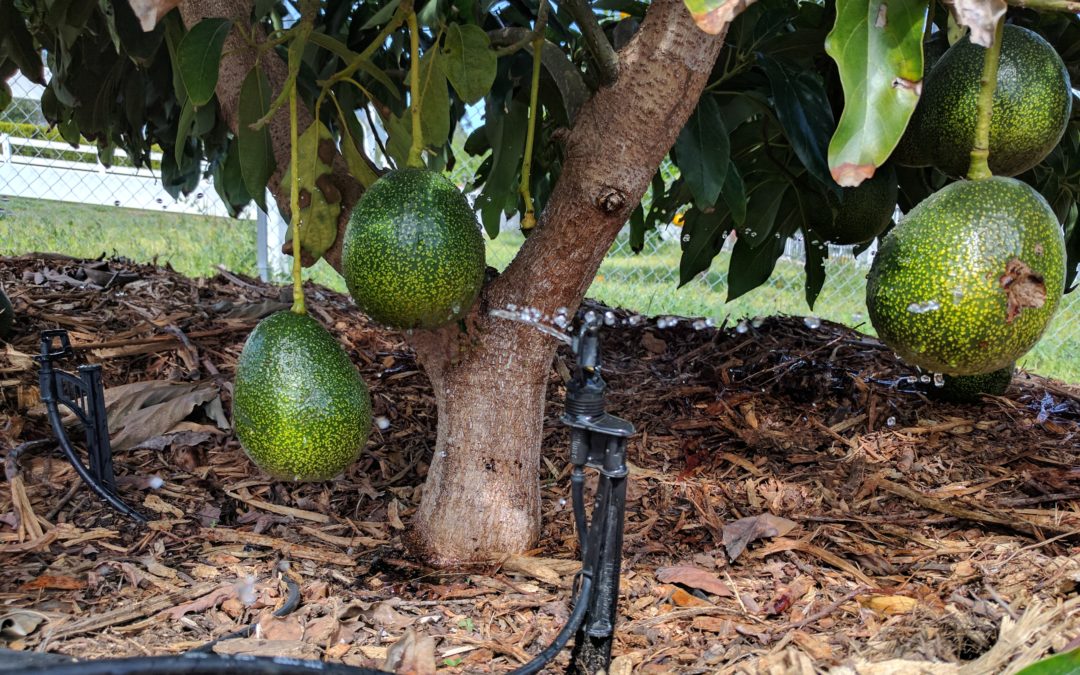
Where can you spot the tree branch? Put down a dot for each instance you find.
(603, 54)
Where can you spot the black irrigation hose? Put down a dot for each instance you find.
(198, 663)
(292, 601)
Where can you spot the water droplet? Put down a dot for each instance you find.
(636, 320)
(757, 321)
(609, 318)
(957, 295)
(511, 307)
(116, 203)
(752, 234)
(857, 317)
(939, 380)
(455, 309)
(382, 422)
(662, 323)
(590, 317)
(685, 238)
(925, 379)
(812, 322)
(924, 307)
(444, 454)
(562, 502)
(561, 321)
(891, 422)
(156, 482)
(742, 328)
(700, 324)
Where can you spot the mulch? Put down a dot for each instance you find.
(798, 502)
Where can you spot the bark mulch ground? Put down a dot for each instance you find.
(797, 502)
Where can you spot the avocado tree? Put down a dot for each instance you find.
(758, 119)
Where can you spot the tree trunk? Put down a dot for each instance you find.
(482, 493)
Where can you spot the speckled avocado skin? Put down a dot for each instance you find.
(300, 409)
(861, 213)
(7, 315)
(937, 289)
(1032, 104)
(970, 388)
(413, 256)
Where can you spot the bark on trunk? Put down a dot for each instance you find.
(482, 495)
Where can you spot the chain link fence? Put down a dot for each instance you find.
(36, 164)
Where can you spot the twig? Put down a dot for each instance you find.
(824, 612)
(603, 54)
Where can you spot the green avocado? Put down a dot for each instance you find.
(300, 408)
(968, 280)
(860, 213)
(970, 388)
(7, 315)
(413, 256)
(1032, 104)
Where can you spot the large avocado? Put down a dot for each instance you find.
(1032, 104)
(970, 388)
(968, 280)
(300, 408)
(413, 256)
(7, 315)
(860, 213)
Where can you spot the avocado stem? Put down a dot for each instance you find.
(980, 152)
(294, 204)
(417, 146)
(528, 220)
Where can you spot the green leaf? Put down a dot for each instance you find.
(198, 56)
(637, 229)
(382, 16)
(712, 16)
(750, 267)
(703, 152)
(183, 129)
(255, 147)
(506, 132)
(358, 166)
(338, 48)
(734, 194)
(804, 113)
(468, 61)
(1067, 663)
(814, 266)
(703, 237)
(17, 42)
(878, 49)
(566, 76)
(434, 101)
(761, 210)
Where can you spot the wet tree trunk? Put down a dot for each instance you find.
(482, 497)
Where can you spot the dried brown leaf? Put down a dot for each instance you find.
(20, 623)
(55, 582)
(694, 577)
(979, 16)
(411, 655)
(211, 599)
(741, 532)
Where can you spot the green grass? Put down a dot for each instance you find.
(196, 245)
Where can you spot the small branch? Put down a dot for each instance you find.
(294, 199)
(415, 103)
(603, 54)
(528, 220)
(1068, 6)
(980, 152)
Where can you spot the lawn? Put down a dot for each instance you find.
(196, 245)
